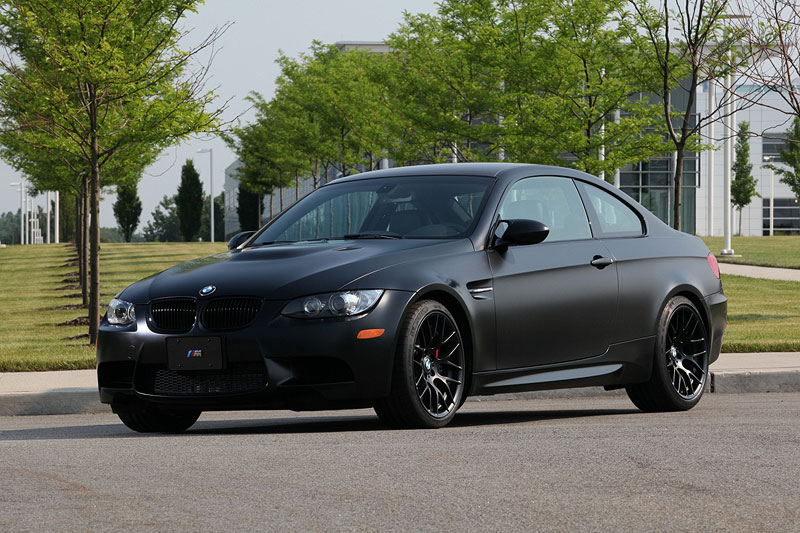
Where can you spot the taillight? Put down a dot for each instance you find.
(712, 262)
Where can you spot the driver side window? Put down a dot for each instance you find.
(553, 201)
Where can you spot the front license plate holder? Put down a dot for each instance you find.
(194, 353)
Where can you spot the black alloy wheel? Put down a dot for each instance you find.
(680, 366)
(429, 373)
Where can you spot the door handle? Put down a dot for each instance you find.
(601, 262)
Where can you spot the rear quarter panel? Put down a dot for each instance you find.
(651, 270)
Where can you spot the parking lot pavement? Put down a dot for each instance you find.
(556, 464)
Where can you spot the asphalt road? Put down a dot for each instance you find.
(732, 463)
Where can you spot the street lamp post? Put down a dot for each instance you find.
(56, 228)
(770, 159)
(210, 152)
(21, 199)
(25, 214)
(730, 122)
(48, 217)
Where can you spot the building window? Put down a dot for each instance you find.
(786, 216)
(650, 184)
(770, 144)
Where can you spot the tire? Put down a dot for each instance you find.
(429, 374)
(146, 418)
(680, 361)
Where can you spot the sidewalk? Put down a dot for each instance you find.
(750, 271)
(75, 391)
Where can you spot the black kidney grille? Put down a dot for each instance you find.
(229, 313)
(173, 315)
(182, 383)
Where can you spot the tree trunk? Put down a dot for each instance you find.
(740, 221)
(85, 242)
(94, 255)
(260, 196)
(680, 155)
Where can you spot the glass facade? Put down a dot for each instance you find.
(770, 145)
(650, 183)
(786, 216)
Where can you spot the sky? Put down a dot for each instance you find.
(245, 62)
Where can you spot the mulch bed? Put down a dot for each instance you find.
(78, 295)
(80, 321)
(71, 307)
(69, 288)
(76, 337)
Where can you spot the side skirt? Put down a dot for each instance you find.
(624, 363)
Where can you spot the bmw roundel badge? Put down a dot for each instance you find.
(208, 289)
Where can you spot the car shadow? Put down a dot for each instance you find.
(305, 424)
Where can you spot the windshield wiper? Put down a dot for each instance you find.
(368, 235)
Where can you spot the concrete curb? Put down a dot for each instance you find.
(84, 400)
(59, 402)
(756, 381)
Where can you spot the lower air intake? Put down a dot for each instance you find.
(168, 382)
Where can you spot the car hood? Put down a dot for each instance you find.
(281, 272)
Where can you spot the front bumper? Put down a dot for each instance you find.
(717, 307)
(303, 364)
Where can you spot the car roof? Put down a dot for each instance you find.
(490, 170)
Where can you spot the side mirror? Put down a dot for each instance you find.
(239, 238)
(522, 231)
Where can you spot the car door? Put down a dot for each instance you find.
(555, 301)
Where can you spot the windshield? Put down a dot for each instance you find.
(418, 207)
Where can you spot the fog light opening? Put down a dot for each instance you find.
(370, 333)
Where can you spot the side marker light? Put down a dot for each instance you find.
(370, 333)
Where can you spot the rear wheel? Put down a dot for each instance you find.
(680, 366)
(146, 418)
(428, 377)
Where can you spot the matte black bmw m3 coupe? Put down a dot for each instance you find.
(409, 289)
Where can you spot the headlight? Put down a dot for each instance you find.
(120, 313)
(347, 303)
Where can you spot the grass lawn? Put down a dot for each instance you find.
(32, 287)
(763, 315)
(777, 251)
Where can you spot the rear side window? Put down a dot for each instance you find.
(616, 219)
(553, 201)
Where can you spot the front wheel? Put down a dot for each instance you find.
(429, 376)
(680, 365)
(146, 418)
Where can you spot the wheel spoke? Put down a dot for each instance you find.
(686, 351)
(438, 376)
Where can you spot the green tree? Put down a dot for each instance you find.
(790, 159)
(247, 209)
(743, 186)
(684, 48)
(10, 228)
(127, 210)
(99, 79)
(164, 226)
(538, 81)
(189, 201)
